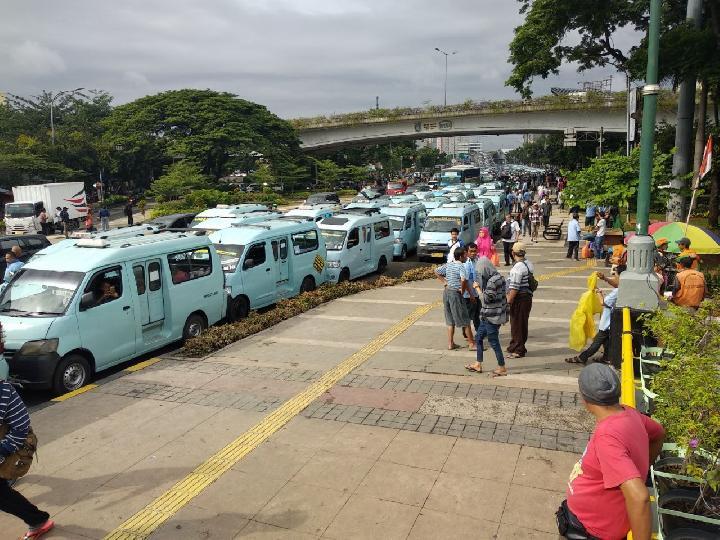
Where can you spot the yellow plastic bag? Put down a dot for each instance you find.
(582, 323)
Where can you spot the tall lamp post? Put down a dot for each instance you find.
(52, 106)
(639, 284)
(446, 69)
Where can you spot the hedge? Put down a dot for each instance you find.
(219, 336)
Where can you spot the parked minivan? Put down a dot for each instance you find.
(228, 211)
(406, 221)
(269, 260)
(489, 216)
(218, 223)
(314, 212)
(79, 310)
(357, 243)
(435, 235)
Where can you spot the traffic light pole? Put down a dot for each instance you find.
(639, 284)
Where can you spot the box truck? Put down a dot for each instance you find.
(21, 215)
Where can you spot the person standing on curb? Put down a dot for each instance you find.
(470, 296)
(525, 220)
(509, 233)
(13, 413)
(573, 237)
(519, 298)
(104, 215)
(606, 494)
(129, 211)
(454, 243)
(43, 217)
(454, 276)
(492, 290)
(65, 219)
(536, 217)
(600, 227)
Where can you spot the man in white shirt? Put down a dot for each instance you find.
(509, 232)
(454, 243)
(600, 227)
(573, 237)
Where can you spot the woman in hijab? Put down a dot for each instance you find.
(492, 289)
(485, 245)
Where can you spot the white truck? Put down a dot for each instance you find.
(21, 215)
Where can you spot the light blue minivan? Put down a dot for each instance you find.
(229, 211)
(435, 236)
(314, 212)
(358, 242)
(406, 221)
(100, 302)
(270, 260)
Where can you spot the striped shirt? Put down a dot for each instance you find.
(14, 414)
(519, 278)
(454, 273)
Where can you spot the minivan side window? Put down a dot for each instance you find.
(255, 256)
(188, 265)
(408, 221)
(304, 242)
(353, 238)
(154, 274)
(476, 216)
(382, 229)
(106, 286)
(139, 273)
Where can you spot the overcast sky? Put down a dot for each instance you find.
(297, 57)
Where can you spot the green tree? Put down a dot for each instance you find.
(263, 175)
(217, 130)
(328, 172)
(180, 179)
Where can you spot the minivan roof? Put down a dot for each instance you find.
(80, 257)
(453, 209)
(223, 210)
(249, 232)
(401, 209)
(217, 223)
(348, 220)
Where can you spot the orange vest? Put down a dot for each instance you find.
(692, 288)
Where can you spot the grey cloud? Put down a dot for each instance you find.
(298, 57)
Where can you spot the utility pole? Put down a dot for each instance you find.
(683, 129)
(639, 284)
(446, 70)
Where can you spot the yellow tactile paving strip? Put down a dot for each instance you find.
(150, 518)
(147, 520)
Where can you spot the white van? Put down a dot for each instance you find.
(435, 236)
(357, 243)
(406, 221)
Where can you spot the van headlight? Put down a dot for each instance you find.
(38, 347)
(333, 264)
(422, 243)
(398, 240)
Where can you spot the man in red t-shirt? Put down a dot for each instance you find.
(606, 495)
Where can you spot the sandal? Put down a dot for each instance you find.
(474, 369)
(37, 532)
(574, 360)
(499, 372)
(472, 348)
(515, 355)
(454, 346)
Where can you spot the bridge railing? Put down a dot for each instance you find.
(581, 100)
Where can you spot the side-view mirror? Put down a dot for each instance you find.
(249, 263)
(87, 300)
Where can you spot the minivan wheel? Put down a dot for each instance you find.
(194, 326)
(239, 308)
(308, 284)
(382, 264)
(72, 373)
(344, 275)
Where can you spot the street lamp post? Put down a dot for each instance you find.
(446, 69)
(52, 105)
(639, 284)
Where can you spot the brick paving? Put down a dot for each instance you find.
(550, 439)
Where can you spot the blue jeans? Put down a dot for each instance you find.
(598, 246)
(491, 331)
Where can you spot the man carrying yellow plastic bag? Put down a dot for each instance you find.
(582, 325)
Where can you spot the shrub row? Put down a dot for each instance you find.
(202, 199)
(219, 336)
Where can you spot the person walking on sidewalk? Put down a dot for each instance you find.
(536, 217)
(492, 289)
(509, 233)
(573, 237)
(546, 208)
(484, 243)
(606, 494)
(470, 296)
(14, 415)
(519, 298)
(526, 227)
(454, 276)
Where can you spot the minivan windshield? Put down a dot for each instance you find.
(441, 224)
(334, 238)
(39, 293)
(229, 255)
(15, 210)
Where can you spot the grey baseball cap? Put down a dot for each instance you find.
(599, 384)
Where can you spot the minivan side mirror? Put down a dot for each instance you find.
(87, 300)
(249, 263)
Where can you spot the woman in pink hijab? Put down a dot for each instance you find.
(485, 245)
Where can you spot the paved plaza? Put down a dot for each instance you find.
(350, 421)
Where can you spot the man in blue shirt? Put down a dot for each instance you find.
(590, 214)
(602, 338)
(470, 296)
(573, 237)
(104, 215)
(12, 265)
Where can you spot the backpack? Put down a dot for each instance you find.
(532, 282)
(17, 464)
(506, 231)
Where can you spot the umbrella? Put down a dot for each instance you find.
(702, 240)
(651, 230)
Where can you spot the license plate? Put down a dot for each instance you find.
(437, 254)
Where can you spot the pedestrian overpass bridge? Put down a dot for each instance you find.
(548, 114)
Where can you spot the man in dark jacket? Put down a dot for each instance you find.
(14, 414)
